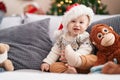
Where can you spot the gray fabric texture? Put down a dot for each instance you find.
(29, 44)
(1, 16)
(113, 21)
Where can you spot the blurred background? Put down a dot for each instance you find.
(56, 7)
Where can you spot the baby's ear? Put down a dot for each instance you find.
(111, 27)
(94, 43)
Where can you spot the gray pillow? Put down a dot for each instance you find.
(29, 43)
(113, 21)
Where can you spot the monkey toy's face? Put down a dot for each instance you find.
(102, 35)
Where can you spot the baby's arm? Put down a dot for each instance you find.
(72, 58)
(51, 58)
(53, 55)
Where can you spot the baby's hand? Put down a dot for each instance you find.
(45, 67)
(62, 57)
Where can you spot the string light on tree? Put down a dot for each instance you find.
(59, 6)
(70, 1)
(99, 1)
(66, 1)
(61, 2)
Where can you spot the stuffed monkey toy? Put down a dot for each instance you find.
(4, 61)
(107, 41)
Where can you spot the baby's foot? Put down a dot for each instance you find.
(71, 70)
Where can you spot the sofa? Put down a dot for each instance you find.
(31, 37)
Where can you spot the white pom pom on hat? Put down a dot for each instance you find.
(73, 11)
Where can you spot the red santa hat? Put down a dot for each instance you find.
(2, 7)
(73, 11)
(31, 7)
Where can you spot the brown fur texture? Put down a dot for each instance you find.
(111, 68)
(7, 64)
(105, 53)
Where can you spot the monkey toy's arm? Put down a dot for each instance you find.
(101, 58)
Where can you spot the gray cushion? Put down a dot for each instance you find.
(29, 43)
(113, 21)
(1, 16)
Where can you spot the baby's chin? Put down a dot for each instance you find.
(76, 33)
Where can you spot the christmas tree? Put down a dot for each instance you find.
(59, 6)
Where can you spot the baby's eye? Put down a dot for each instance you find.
(81, 22)
(73, 21)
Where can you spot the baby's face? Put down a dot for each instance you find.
(78, 25)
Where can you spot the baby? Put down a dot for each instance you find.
(72, 48)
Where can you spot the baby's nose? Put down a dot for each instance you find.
(77, 24)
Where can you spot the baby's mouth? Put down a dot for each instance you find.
(76, 29)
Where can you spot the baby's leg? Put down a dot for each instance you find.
(71, 70)
(58, 67)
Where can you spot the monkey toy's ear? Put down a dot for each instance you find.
(111, 27)
(94, 43)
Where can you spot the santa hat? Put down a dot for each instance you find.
(2, 7)
(33, 7)
(73, 11)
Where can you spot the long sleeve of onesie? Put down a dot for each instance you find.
(53, 55)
